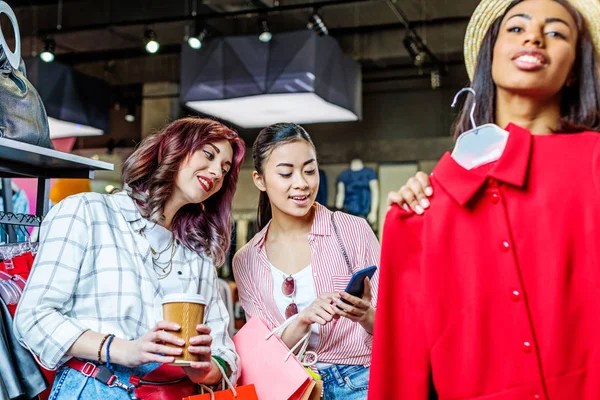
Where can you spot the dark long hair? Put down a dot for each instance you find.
(580, 103)
(151, 171)
(268, 139)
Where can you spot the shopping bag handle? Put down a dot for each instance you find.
(224, 381)
(302, 353)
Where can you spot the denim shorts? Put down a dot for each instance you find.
(71, 384)
(345, 382)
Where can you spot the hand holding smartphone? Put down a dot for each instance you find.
(356, 286)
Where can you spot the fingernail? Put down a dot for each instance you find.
(181, 342)
(406, 208)
(177, 326)
(425, 203)
(419, 210)
(428, 191)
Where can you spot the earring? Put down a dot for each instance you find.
(203, 208)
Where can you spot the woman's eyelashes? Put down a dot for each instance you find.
(209, 155)
(310, 172)
(518, 29)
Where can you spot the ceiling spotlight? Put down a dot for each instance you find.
(48, 54)
(265, 35)
(316, 23)
(415, 49)
(130, 116)
(195, 42)
(152, 44)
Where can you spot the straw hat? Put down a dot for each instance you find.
(489, 10)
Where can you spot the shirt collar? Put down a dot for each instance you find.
(511, 168)
(321, 225)
(129, 210)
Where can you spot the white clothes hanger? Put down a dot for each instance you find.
(482, 144)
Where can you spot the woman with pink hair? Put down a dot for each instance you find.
(105, 263)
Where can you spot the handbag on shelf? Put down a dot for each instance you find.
(22, 114)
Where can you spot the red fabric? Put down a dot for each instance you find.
(166, 392)
(494, 292)
(23, 264)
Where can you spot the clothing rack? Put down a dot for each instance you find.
(23, 160)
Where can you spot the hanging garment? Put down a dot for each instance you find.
(357, 192)
(20, 375)
(494, 292)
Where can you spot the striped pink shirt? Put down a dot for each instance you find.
(340, 341)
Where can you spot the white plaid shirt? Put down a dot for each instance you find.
(94, 271)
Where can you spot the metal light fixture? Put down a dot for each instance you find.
(306, 78)
(76, 104)
(415, 49)
(152, 44)
(195, 42)
(265, 36)
(316, 23)
(48, 54)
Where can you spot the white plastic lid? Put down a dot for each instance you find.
(184, 298)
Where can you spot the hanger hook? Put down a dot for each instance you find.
(472, 115)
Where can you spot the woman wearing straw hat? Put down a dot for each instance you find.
(493, 291)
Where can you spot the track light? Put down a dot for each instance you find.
(316, 23)
(130, 116)
(195, 42)
(415, 49)
(265, 35)
(152, 44)
(48, 54)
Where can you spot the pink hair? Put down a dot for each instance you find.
(150, 173)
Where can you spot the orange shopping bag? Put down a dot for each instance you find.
(246, 392)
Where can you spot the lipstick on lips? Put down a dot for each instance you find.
(530, 60)
(206, 183)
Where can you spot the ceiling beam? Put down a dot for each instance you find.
(205, 16)
(74, 58)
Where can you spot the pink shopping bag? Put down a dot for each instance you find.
(265, 363)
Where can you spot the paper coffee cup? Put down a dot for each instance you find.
(187, 310)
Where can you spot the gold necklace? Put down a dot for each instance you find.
(155, 262)
(154, 252)
(164, 270)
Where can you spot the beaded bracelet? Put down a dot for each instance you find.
(100, 348)
(110, 339)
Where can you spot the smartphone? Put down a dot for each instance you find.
(356, 286)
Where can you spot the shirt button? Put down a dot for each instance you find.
(505, 246)
(515, 295)
(495, 198)
(492, 182)
(526, 347)
(536, 397)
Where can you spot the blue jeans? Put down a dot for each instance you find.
(347, 382)
(70, 384)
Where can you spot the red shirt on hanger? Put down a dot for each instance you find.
(494, 293)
